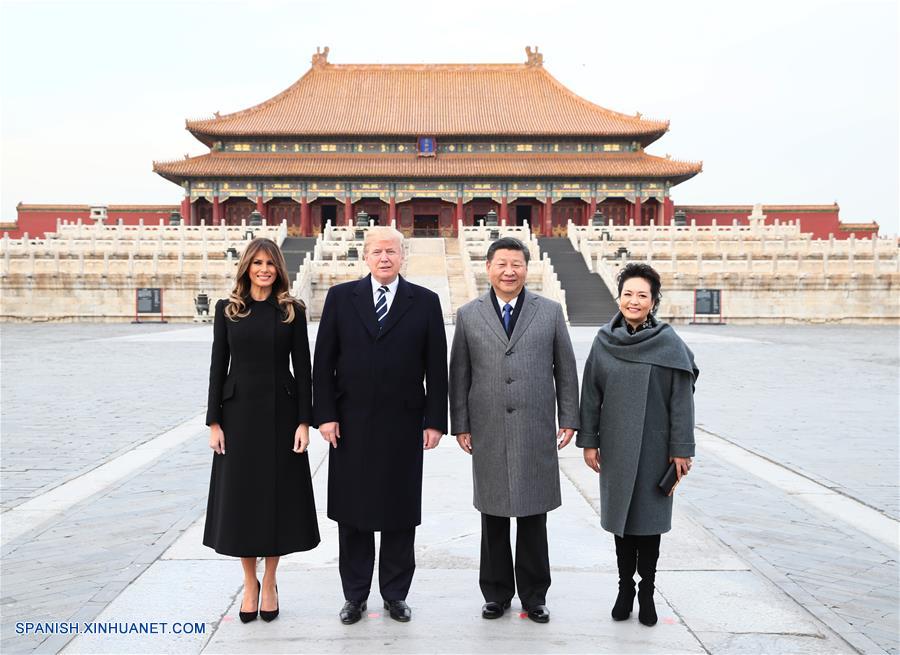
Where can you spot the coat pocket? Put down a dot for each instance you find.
(228, 389)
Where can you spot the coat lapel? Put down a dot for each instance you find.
(365, 305)
(529, 310)
(399, 307)
(490, 316)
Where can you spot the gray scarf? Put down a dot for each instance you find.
(657, 344)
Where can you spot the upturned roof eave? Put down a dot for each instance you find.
(180, 178)
(208, 137)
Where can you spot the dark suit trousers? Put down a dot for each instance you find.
(498, 576)
(356, 562)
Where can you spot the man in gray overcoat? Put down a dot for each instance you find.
(512, 369)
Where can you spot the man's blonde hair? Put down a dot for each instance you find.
(379, 232)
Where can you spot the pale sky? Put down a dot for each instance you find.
(784, 102)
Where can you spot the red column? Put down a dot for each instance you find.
(348, 210)
(668, 211)
(305, 227)
(186, 210)
(593, 208)
(504, 211)
(548, 216)
(217, 211)
(460, 214)
(638, 219)
(392, 210)
(260, 206)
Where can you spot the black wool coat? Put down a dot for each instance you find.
(370, 381)
(260, 492)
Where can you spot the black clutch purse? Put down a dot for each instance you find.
(668, 480)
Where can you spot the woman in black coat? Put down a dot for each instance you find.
(260, 492)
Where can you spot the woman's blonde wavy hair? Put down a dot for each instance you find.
(237, 300)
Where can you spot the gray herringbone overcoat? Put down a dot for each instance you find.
(508, 393)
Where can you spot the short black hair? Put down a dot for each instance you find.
(645, 271)
(508, 243)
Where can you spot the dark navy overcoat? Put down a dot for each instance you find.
(384, 386)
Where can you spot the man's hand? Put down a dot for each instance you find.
(331, 432)
(592, 459)
(563, 437)
(217, 439)
(464, 439)
(301, 438)
(431, 438)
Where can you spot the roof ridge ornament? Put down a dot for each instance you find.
(535, 58)
(320, 57)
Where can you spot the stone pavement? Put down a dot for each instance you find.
(750, 566)
(75, 396)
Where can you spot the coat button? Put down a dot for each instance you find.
(509, 352)
(509, 380)
(510, 410)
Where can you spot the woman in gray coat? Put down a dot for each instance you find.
(637, 417)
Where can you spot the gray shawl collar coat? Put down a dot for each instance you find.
(637, 408)
(506, 392)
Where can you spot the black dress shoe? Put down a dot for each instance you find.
(352, 611)
(399, 610)
(269, 615)
(539, 614)
(494, 610)
(246, 617)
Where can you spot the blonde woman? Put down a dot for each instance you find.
(260, 492)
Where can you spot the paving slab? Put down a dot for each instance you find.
(758, 543)
(445, 598)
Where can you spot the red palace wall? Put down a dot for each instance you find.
(37, 220)
(819, 220)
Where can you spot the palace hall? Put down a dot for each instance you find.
(428, 146)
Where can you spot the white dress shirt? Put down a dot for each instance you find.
(389, 296)
(512, 303)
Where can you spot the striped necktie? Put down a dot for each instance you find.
(381, 306)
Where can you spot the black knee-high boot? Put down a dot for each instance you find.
(626, 560)
(647, 556)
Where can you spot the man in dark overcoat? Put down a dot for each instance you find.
(379, 339)
(512, 375)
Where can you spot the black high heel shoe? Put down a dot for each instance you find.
(266, 615)
(246, 617)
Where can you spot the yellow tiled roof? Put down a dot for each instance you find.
(427, 100)
(392, 166)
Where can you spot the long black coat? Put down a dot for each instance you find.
(260, 492)
(370, 381)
